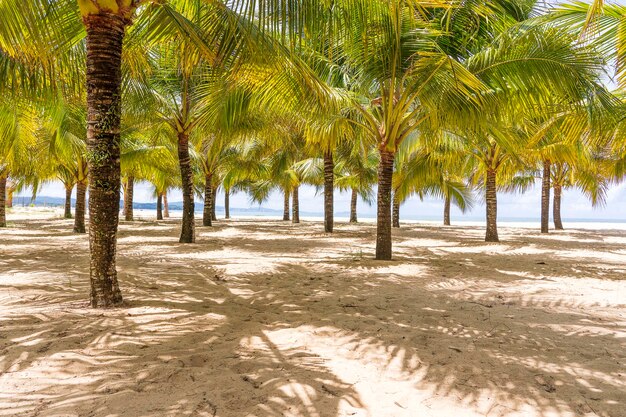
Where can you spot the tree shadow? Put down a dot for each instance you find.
(295, 326)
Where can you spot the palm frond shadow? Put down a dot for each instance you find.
(292, 338)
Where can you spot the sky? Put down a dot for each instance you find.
(526, 206)
(510, 206)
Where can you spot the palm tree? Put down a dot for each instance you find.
(18, 132)
(357, 172)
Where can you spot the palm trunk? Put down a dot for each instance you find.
(446, 211)
(159, 206)
(556, 209)
(395, 212)
(187, 233)
(286, 205)
(3, 193)
(545, 198)
(295, 215)
(213, 216)
(166, 206)
(10, 189)
(68, 201)
(208, 196)
(383, 216)
(491, 200)
(226, 204)
(329, 187)
(128, 198)
(105, 35)
(79, 217)
(353, 201)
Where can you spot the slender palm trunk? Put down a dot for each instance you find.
(353, 201)
(395, 212)
(286, 205)
(128, 198)
(383, 216)
(10, 190)
(295, 215)
(329, 187)
(105, 35)
(213, 216)
(545, 198)
(166, 206)
(187, 233)
(208, 203)
(556, 208)
(446, 211)
(491, 200)
(3, 193)
(79, 216)
(159, 207)
(68, 201)
(226, 204)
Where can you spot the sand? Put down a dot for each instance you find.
(265, 318)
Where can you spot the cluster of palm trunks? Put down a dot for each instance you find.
(401, 83)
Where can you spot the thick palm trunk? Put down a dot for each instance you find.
(295, 215)
(105, 35)
(286, 205)
(3, 193)
(187, 233)
(446, 211)
(383, 216)
(545, 198)
(556, 208)
(226, 204)
(128, 198)
(395, 213)
(491, 200)
(213, 216)
(329, 187)
(159, 206)
(166, 206)
(68, 201)
(208, 203)
(353, 201)
(79, 216)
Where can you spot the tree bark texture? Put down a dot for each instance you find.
(383, 216)
(286, 205)
(556, 208)
(226, 204)
(166, 206)
(128, 198)
(105, 35)
(68, 201)
(295, 215)
(187, 233)
(10, 190)
(353, 202)
(329, 187)
(213, 200)
(446, 211)
(79, 215)
(545, 198)
(159, 207)
(395, 213)
(208, 201)
(3, 194)
(491, 200)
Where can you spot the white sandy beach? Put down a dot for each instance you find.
(264, 318)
